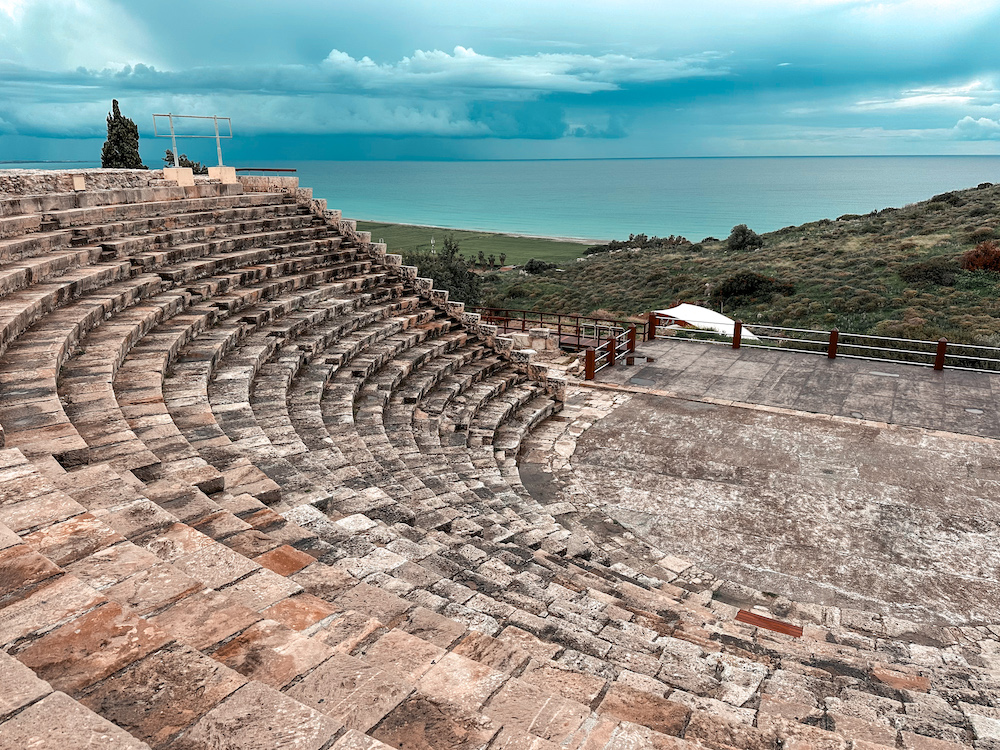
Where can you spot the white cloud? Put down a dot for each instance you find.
(981, 129)
(465, 68)
(974, 93)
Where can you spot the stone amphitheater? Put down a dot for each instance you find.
(260, 489)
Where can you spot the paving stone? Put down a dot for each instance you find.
(355, 740)
(502, 656)
(462, 681)
(659, 714)
(300, 612)
(576, 686)
(531, 709)
(262, 589)
(284, 560)
(21, 567)
(270, 653)
(423, 724)
(163, 694)
(152, 589)
(112, 565)
(432, 627)
(403, 655)
(71, 540)
(373, 601)
(91, 647)
(19, 686)
(48, 605)
(58, 721)
(256, 717)
(355, 693)
(205, 619)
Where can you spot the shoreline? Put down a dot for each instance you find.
(576, 240)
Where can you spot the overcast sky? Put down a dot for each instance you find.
(510, 79)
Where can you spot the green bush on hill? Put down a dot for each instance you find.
(449, 269)
(743, 238)
(538, 266)
(940, 271)
(748, 286)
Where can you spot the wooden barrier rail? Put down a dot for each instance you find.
(596, 334)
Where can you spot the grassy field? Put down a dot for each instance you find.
(519, 250)
(863, 274)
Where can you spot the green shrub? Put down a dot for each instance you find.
(538, 266)
(450, 271)
(939, 271)
(749, 286)
(743, 238)
(182, 161)
(982, 233)
(983, 257)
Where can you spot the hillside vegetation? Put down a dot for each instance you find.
(406, 238)
(895, 272)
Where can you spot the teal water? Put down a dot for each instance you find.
(604, 199)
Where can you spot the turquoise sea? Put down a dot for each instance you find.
(604, 199)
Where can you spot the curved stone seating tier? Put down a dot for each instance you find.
(260, 489)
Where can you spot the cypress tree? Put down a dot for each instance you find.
(121, 150)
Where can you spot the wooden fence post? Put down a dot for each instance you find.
(651, 327)
(831, 349)
(611, 350)
(737, 333)
(589, 363)
(631, 339)
(942, 350)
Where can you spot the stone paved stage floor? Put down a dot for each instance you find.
(881, 391)
(841, 512)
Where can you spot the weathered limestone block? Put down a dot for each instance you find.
(423, 285)
(522, 356)
(504, 344)
(471, 319)
(225, 175)
(394, 260)
(439, 297)
(410, 273)
(262, 184)
(182, 176)
(542, 339)
(456, 308)
(521, 340)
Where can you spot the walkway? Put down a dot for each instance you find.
(953, 400)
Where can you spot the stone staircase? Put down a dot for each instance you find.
(259, 488)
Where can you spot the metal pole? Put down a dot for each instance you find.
(218, 141)
(173, 139)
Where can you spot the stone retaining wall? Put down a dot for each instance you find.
(37, 181)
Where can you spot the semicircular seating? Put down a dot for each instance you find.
(259, 488)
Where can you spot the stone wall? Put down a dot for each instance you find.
(38, 181)
(268, 184)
